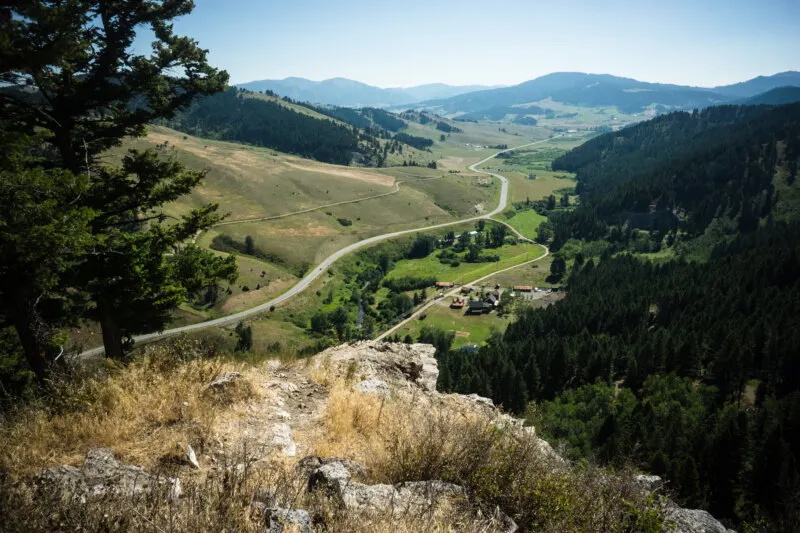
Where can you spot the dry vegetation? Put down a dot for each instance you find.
(147, 411)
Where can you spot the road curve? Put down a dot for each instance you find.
(301, 285)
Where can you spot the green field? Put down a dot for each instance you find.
(510, 255)
(470, 330)
(526, 222)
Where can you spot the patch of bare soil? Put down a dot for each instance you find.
(310, 230)
(344, 172)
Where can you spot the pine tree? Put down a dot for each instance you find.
(90, 92)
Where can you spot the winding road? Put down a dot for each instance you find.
(301, 285)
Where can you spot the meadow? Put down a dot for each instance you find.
(510, 255)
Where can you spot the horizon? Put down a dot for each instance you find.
(497, 86)
(700, 44)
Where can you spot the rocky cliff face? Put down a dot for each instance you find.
(357, 438)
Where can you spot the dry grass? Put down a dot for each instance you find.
(404, 438)
(157, 404)
(144, 412)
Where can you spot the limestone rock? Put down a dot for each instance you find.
(679, 520)
(479, 399)
(282, 438)
(649, 483)
(192, 456)
(308, 464)
(334, 479)
(101, 474)
(373, 386)
(278, 518)
(223, 380)
(394, 363)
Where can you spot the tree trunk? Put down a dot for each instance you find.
(24, 323)
(112, 336)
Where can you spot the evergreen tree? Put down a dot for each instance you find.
(244, 337)
(89, 93)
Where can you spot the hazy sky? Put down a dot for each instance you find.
(392, 43)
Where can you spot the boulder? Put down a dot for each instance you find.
(278, 518)
(308, 464)
(679, 520)
(649, 483)
(101, 474)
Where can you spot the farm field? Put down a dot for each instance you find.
(526, 222)
(469, 330)
(510, 255)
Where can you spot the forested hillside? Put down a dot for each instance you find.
(690, 370)
(683, 170)
(233, 116)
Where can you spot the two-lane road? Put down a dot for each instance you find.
(330, 260)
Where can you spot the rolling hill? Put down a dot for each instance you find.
(592, 90)
(345, 92)
(760, 84)
(778, 96)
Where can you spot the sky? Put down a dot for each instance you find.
(402, 43)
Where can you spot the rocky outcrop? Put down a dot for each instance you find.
(334, 478)
(392, 363)
(101, 474)
(679, 520)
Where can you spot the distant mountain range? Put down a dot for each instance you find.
(344, 92)
(593, 90)
(576, 88)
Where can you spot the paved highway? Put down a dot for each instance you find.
(330, 260)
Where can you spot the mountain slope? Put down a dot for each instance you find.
(777, 96)
(234, 116)
(345, 92)
(759, 84)
(685, 169)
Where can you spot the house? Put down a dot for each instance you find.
(492, 300)
(458, 303)
(466, 289)
(523, 288)
(478, 307)
(444, 284)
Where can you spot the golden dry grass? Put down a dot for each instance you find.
(144, 412)
(157, 404)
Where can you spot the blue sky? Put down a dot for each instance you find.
(392, 43)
